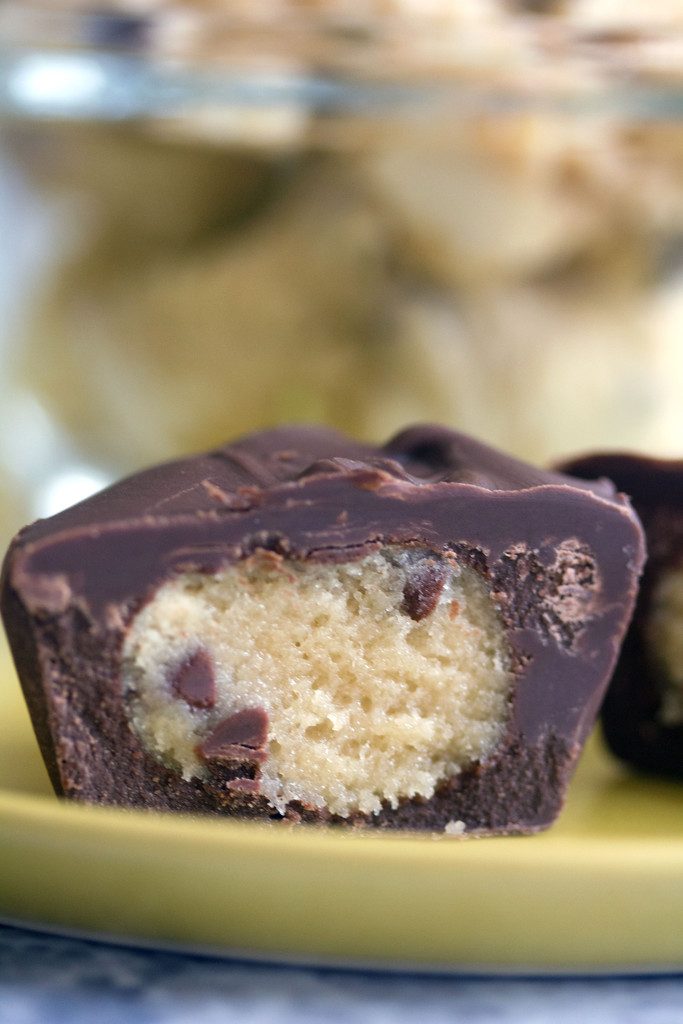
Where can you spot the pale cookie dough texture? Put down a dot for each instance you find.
(365, 704)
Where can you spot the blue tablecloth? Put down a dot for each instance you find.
(46, 979)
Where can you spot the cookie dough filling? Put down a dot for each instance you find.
(665, 642)
(348, 685)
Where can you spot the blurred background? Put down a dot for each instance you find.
(217, 216)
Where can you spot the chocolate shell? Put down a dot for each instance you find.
(634, 721)
(560, 559)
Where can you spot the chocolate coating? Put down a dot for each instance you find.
(560, 558)
(631, 712)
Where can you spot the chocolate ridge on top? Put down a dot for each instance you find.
(228, 476)
(542, 541)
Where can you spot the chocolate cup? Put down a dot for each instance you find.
(631, 713)
(560, 558)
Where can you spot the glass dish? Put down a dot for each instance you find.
(362, 214)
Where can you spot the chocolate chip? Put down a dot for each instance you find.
(195, 682)
(231, 752)
(423, 588)
(240, 737)
(244, 786)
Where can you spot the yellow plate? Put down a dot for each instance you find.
(601, 891)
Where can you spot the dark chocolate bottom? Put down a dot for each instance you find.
(517, 785)
(98, 759)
